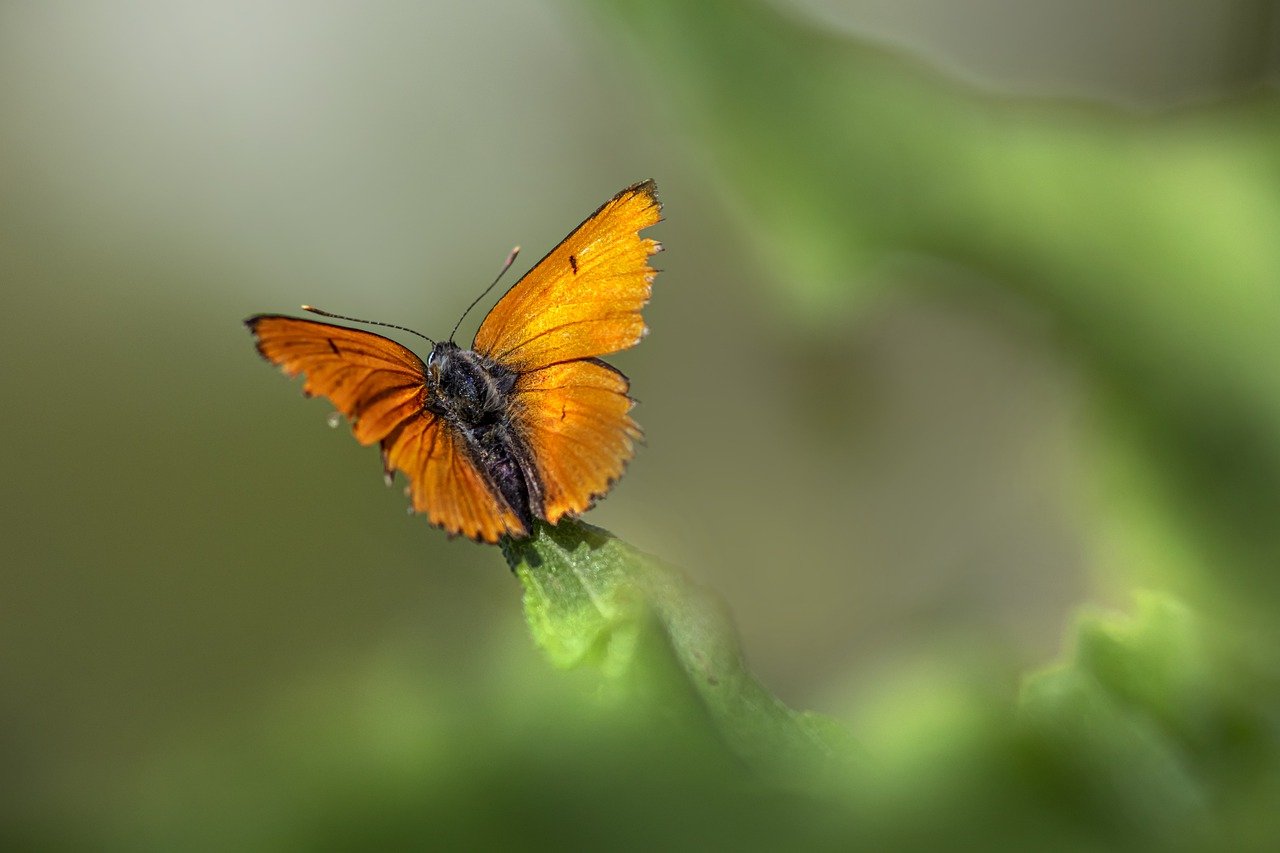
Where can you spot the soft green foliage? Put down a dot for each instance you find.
(655, 637)
(1159, 726)
(1148, 241)
(1158, 730)
(1155, 733)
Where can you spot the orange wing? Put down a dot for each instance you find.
(582, 300)
(372, 380)
(574, 416)
(444, 483)
(380, 386)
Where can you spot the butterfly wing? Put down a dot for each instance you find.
(445, 484)
(584, 298)
(374, 381)
(574, 416)
(580, 301)
(381, 387)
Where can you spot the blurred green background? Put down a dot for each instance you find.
(970, 316)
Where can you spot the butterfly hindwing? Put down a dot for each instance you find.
(575, 420)
(445, 485)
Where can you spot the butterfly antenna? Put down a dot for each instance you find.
(315, 310)
(511, 259)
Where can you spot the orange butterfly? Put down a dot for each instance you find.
(528, 423)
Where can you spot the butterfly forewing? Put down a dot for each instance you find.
(373, 380)
(380, 386)
(584, 298)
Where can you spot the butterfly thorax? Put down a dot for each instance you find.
(466, 388)
(474, 395)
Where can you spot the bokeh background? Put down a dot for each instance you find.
(970, 316)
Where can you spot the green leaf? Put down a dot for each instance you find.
(1157, 723)
(592, 600)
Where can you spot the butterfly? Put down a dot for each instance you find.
(528, 423)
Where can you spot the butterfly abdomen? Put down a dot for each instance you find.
(504, 459)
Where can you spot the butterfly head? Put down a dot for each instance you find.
(438, 360)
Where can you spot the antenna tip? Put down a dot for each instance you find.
(308, 308)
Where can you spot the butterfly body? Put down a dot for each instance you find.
(528, 423)
(473, 395)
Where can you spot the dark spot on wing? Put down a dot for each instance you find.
(333, 346)
(573, 262)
